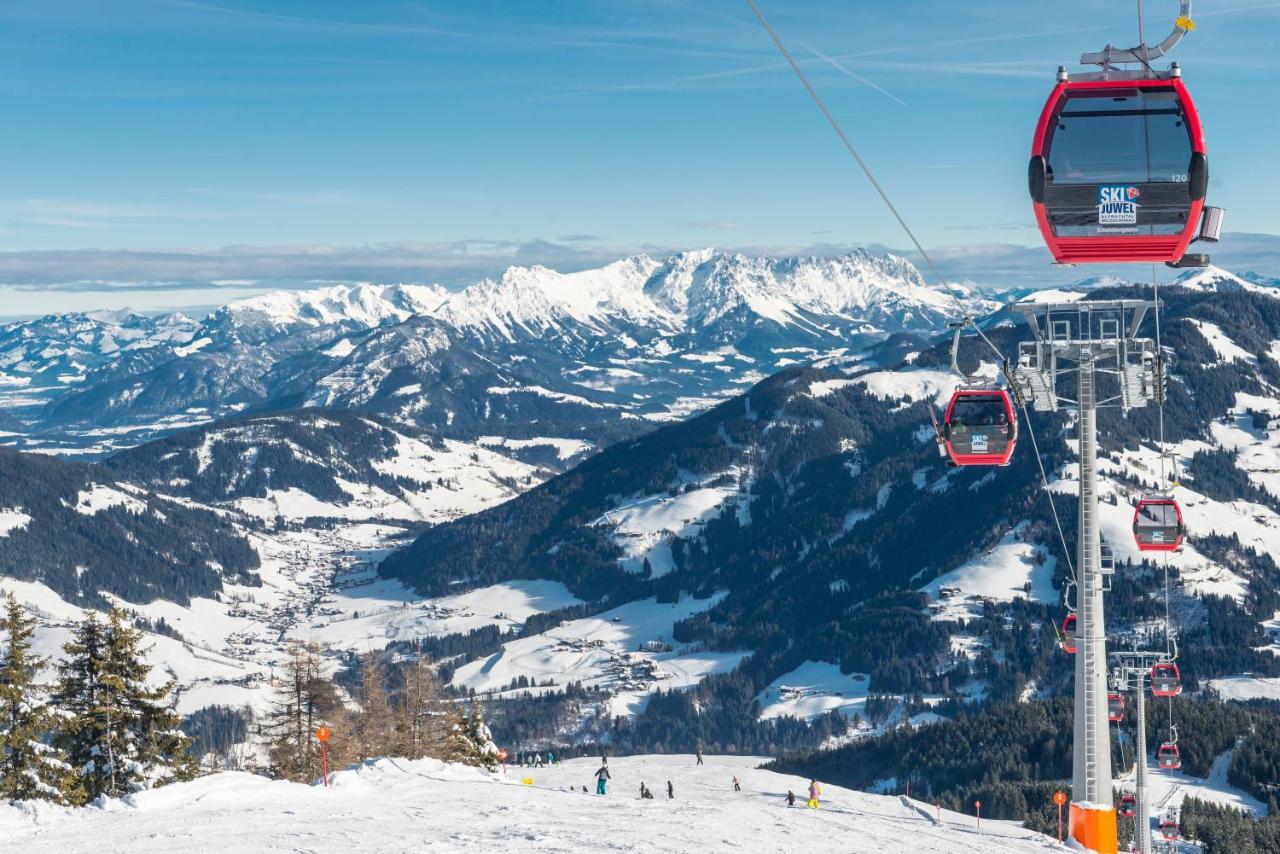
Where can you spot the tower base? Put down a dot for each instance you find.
(1093, 828)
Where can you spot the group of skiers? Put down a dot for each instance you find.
(603, 776)
(815, 795)
(530, 759)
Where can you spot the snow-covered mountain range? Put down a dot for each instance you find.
(592, 354)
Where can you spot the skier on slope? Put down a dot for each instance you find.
(699, 755)
(791, 798)
(737, 787)
(671, 791)
(602, 780)
(815, 794)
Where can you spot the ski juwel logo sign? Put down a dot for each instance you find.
(1118, 204)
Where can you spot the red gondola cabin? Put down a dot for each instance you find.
(1128, 806)
(1169, 828)
(1068, 641)
(1169, 757)
(1166, 681)
(1115, 708)
(1118, 171)
(980, 427)
(1158, 524)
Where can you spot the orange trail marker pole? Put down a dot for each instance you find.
(1059, 798)
(322, 736)
(977, 805)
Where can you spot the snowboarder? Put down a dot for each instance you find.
(602, 780)
(671, 791)
(699, 755)
(551, 758)
(737, 787)
(647, 795)
(815, 794)
(537, 760)
(791, 798)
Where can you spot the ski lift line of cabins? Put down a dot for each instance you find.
(1078, 173)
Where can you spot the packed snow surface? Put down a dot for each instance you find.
(395, 805)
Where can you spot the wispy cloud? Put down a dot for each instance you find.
(836, 64)
(88, 213)
(711, 225)
(457, 263)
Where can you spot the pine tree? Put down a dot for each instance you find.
(121, 735)
(30, 768)
(469, 741)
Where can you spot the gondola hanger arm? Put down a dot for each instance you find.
(1109, 55)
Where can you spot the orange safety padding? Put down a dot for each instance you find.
(1095, 829)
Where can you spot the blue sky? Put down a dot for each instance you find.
(179, 142)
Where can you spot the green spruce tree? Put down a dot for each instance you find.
(468, 739)
(30, 768)
(121, 734)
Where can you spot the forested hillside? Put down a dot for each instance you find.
(74, 528)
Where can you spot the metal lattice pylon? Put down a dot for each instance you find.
(1096, 340)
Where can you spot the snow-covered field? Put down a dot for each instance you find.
(1014, 569)
(629, 650)
(813, 689)
(1168, 789)
(396, 806)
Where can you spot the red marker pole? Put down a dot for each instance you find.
(938, 806)
(1059, 798)
(322, 736)
(977, 805)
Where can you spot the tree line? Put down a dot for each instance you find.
(99, 731)
(414, 719)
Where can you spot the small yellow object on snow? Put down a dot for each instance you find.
(528, 781)
(1185, 23)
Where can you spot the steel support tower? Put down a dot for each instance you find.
(1133, 673)
(1097, 341)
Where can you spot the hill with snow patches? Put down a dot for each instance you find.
(391, 805)
(664, 503)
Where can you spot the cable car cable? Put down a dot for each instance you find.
(845, 139)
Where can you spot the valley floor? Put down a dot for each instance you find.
(396, 805)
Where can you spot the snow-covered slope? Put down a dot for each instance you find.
(393, 806)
